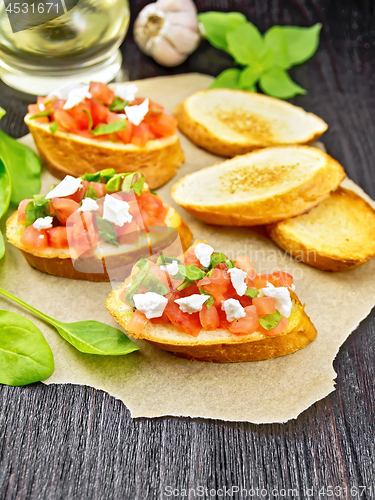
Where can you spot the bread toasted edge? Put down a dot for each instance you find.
(318, 257)
(63, 153)
(201, 136)
(59, 263)
(237, 348)
(293, 202)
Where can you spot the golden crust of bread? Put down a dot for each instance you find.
(290, 202)
(63, 153)
(260, 136)
(220, 346)
(337, 235)
(58, 262)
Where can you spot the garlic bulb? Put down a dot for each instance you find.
(167, 30)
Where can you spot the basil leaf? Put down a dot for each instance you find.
(25, 356)
(2, 246)
(277, 41)
(53, 127)
(163, 259)
(278, 83)
(217, 24)
(90, 119)
(118, 104)
(249, 76)
(270, 321)
(193, 273)
(91, 337)
(110, 128)
(107, 174)
(114, 183)
(210, 302)
(106, 230)
(302, 43)
(2, 112)
(137, 186)
(154, 285)
(42, 113)
(229, 263)
(154, 192)
(216, 259)
(95, 177)
(144, 267)
(228, 79)
(91, 193)
(245, 43)
(185, 284)
(252, 292)
(39, 207)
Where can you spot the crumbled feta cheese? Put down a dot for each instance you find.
(42, 107)
(281, 297)
(126, 92)
(62, 92)
(171, 268)
(76, 96)
(43, 223)
(203, 253)
(67, 186)
(238, 277)
(193, 303)
(88, 205)
(151, 304)
(233, 309)
(135, 114)
(116, 211)
(293, 286)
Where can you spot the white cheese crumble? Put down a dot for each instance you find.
(67, 186)
(203, 253)
(238, 277)
(135, 114)
(76, 96)
(43, 223)
(42, 107)
(88, 205)
(116, 211)
(126, 92)
(62, 92)
(233, 309)
(151, 304)
(193, 303)
(281, 297)
(171, 268)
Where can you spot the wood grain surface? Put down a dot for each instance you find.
(69, 442)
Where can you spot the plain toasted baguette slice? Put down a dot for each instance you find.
(261, 187)
(220, 346)
(64, 153)
(58, 262)
(232, 122)
(337, 235)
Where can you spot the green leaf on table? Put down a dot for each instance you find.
(106, 230)
(245, 43)
(277, 83)
(5, 189)
(25, 356)
(228, 79)
(2, 112)
(217, 24)
(302, 43)
(271, 320)
(276, 41)
(2, 246)
(110, 128)
(249, 77)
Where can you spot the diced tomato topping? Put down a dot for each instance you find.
(79, 113)
(219, 284)
(162, 319)
(21, 211)
(57, 237)
(246, 325)
(33, 238)
(99, 112)
(42, 99)
(155, 106)
(137, 322)
(126, 135)
(128, 233)
(82, 234)
(99, 189)
(209, 318)
(142, 134)
(65, 120)
(278, 330)
(35, 109)
(243, 262)
(162, 276)
(188, 323)
(244, 300)
(58, 104)
(152, 209)
(282, 279)
(260, 281)
(264, 306)
(163, 125)
(80, 193)
(102, 92)
(190, 259)
(64, 208)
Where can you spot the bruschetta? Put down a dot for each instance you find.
(206, 307)
(87, 128)
(86, 226)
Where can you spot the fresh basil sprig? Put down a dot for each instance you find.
(210, 301)
(109, 128)
(118, 104)
(265, 58)
(90, 337)
(271, 320)
(137, 187)
(91, 193)
(25, 356)
(154, 285)
(39, 207)
(144, 267)
(106, 230)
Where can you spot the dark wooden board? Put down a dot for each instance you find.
(75, 442)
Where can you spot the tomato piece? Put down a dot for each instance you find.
(126, 135)
(58, 104)
(33, 238)
(102, 92)
(244, 300)
(137, 322)
(128, 233)
(280, 278)
(57, 237)
(209, 318)
(99, 112)
(190, 259)
(21, 217)
(278, 330)
(161, 275)
(219, 284)
(246, 325)
(80, 193)
(82, 234)
(141, 134)
(155, 106)
(163, 125)
(243, 262)
(64, 208)
(162, 319)
(260, 281)
(99, 189)
(79, 113)
(65, 120)
(188, 323)
(152, 209)
(34, 109)
(264, 306)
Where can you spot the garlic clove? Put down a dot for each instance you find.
(179, 36)
(186, 19)
(164, 53)
(177, 6)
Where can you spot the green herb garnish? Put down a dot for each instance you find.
(163, 259)
(137, 187)
(106, 230)
(153, 192)
(118, 104)
(185, 284)
(154, 285)
(91, 193)
(144, 267)
(113, 184)
(95, 177)
(192, 273)
(271, 320)
(209, 302)
(109, 128)
(41, 114)
(53, 127)
(91, 122)
(252, 292)
(107, 174)
(39, 207)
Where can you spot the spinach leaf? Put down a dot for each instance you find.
(106, 230)
(90, 337)
(270, 321)
(25, 356)
(5, 189)
(144, 267)
(2, 246)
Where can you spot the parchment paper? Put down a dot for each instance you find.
(154, 383)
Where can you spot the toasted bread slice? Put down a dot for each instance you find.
(64, 153)
(337, 235)
(220, 346)
(261, 187)
(233, 122)
(59, 262)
